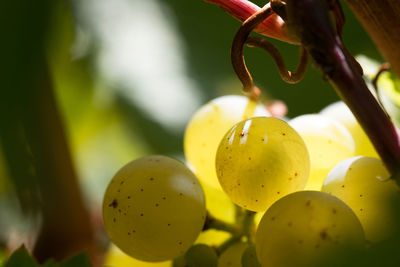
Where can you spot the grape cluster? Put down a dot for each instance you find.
(315, 181)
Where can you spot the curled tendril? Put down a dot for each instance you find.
(285, 74)
(237, 51)
(383, 68)
(242, 37)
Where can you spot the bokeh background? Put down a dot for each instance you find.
(127, 76)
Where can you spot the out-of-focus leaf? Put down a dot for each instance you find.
(21, 258)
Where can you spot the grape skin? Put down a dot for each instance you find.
(364, 184)
(208, 126)
(260, 160)
(154, 208)
(328, 143)
(232, 256)
(340, 112)
(305, 226)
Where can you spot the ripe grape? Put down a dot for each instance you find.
(232, 256)
(302, 227)
(154, 208)
(201, 255)
(364, 184)
(340, 112)
(116, 258)
(260, 160)
(328, 143)
(207, 127)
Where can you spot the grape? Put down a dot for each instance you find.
(116, 258)
(364, 184)
(260, 160)
(232, 256)
(201, 255)
(304, 226)
(249, 257)
(340, 112)
(207, 127)
(154, 208)
(328, 143)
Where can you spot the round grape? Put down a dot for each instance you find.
(340, 112)
(154, 208)
(328, 143)
(364, 184)
(232, 256)
(207, 127)
(260, 160)
(305, 226)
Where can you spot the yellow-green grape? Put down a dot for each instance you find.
(116, 258)
(232, 256)
(302, 227)
(201, 255)
(207, 127)
(328, 143)
(154, 208)
(260, 160)
(364, 184)
(340, 112)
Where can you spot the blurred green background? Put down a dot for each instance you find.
(127, 75)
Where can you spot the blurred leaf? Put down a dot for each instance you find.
(21, 258)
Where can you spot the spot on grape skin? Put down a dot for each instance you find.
(308, 203)
(289, 224)
(141, 189)
(114, 220)
(361, 209)
(129, 197)
(180, 243)
(272, 218)
(249, 158)
(278, 192)
(283, 134)
(342, 185)
(324, 235)
(262, 186)
(114, 204)
(334, 211)
(141, 214)
(157, 204)
(361, 195)
(122, 182)
(295, 174)
(300, 242)
(151, 179)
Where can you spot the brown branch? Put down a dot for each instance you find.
(381, 20)
(66, 227)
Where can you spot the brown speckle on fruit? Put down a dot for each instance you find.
(114, 204)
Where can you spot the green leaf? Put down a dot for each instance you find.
(21, 258)
(80, 260)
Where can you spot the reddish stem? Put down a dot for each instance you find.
(272, 26)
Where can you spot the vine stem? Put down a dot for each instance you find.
(310, 20)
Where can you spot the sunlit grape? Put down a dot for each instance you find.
(154, 208)
(232, 256)
(340, 112)
(116, 258)
(364, 184)
(304, 226)
(260, 160)
(328, 143)
(207, 127)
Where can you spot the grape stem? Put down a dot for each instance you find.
(310, 21)
(217, 224)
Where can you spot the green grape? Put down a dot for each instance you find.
(340, 112)
(201, 255)
(232, 256)
(364, 184)
(154, 208)
(304, 226)
(207, 127)
(116, 258)
(328, 143)
(260, 160)
(249, 257)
